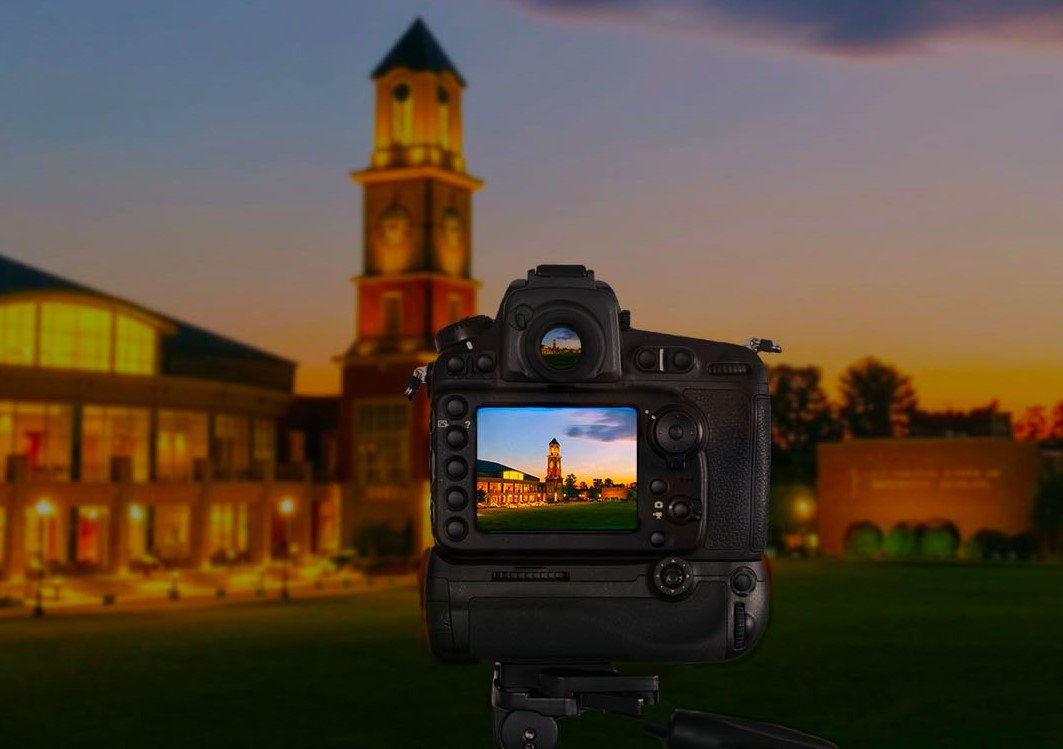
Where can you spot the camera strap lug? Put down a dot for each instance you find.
(420, 374)
(764, 346)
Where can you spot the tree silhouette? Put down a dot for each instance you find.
(1033, 424)
(570, 486)
(801, 413)
(1048, 510)
(877, 399)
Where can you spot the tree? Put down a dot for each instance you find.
(1033, 424)
(571, 492)
(481, 496)
(1048, 510)
(801, 414)
(878, 400)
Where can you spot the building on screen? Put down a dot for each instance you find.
(499, 485)
(416, 258)
(129, 437)
(965, 484)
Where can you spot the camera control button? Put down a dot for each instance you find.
(456, 529)
(658, 486)
(456, 498)
(743, 581)
(485, 363)
(676, 432)
(682, 360)
(457, 438)
(680, 510)
(456, 407)
(457, 468)
(455, 365)
(647, 359)
(673, 577)
(657, 538)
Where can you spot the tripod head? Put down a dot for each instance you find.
(527, 700)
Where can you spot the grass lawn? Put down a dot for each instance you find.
(871, 655)
(565, 516)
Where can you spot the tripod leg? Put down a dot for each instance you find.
(521, 729)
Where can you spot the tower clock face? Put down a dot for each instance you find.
(394, 243)
(450, 246)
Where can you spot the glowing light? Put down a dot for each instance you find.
(286, 507)
(91, 513)
(804, 508)
(136, 513)
(44, 508)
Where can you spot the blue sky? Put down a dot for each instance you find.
(730, 178)
(595, 442)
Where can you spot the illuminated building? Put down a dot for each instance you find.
(554, 479)
(148, 440)
(964, 484)
(417, 200)
(499, 485)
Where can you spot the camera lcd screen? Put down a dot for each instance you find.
(566, 468)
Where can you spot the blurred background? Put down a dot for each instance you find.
(228, 232)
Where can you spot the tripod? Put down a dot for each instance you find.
(527, 700)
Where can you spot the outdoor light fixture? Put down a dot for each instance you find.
(44, 509)
(287, 509)
(136, 513)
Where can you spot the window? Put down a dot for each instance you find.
(382, 442)
(401, 115)
(444, 118)
(168, 532)
(232, 443)
(111, 432)
(134, 346)
(18, 333)
(75, 336)
(72, 335)
(180, 438)
(228, 528)
(265, 441)
(41, 432)
(454, 307)
(392, 302)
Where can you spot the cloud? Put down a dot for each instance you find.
(609, 426)
(838, 26)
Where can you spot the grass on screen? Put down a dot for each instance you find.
(564, 516)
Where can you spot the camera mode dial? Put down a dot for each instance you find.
(463, 330)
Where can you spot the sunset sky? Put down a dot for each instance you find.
(889, 183)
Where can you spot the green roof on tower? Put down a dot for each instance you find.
(419, 51)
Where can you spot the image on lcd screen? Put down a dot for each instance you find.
(556, 469)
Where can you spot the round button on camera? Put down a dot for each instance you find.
(456, 498)
(457, 468)
(456, 529)
(682, 360)
(680, 510)
(658, 486)
(743, 581)
(457, 438)
(657, 538)
(456, 407)
(646, 359)
(676, 432)
(455, 365)
(485, 363)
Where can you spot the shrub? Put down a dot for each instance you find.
(986, 544)
(1023, 546)
(938, 543)
(901, 543)
(864, 541)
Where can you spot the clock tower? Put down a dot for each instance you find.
(416, 255)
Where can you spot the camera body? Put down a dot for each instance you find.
(640, 534)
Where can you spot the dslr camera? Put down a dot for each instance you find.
(599, 493)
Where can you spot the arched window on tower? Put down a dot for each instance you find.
(444, 118)
(401, 115)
